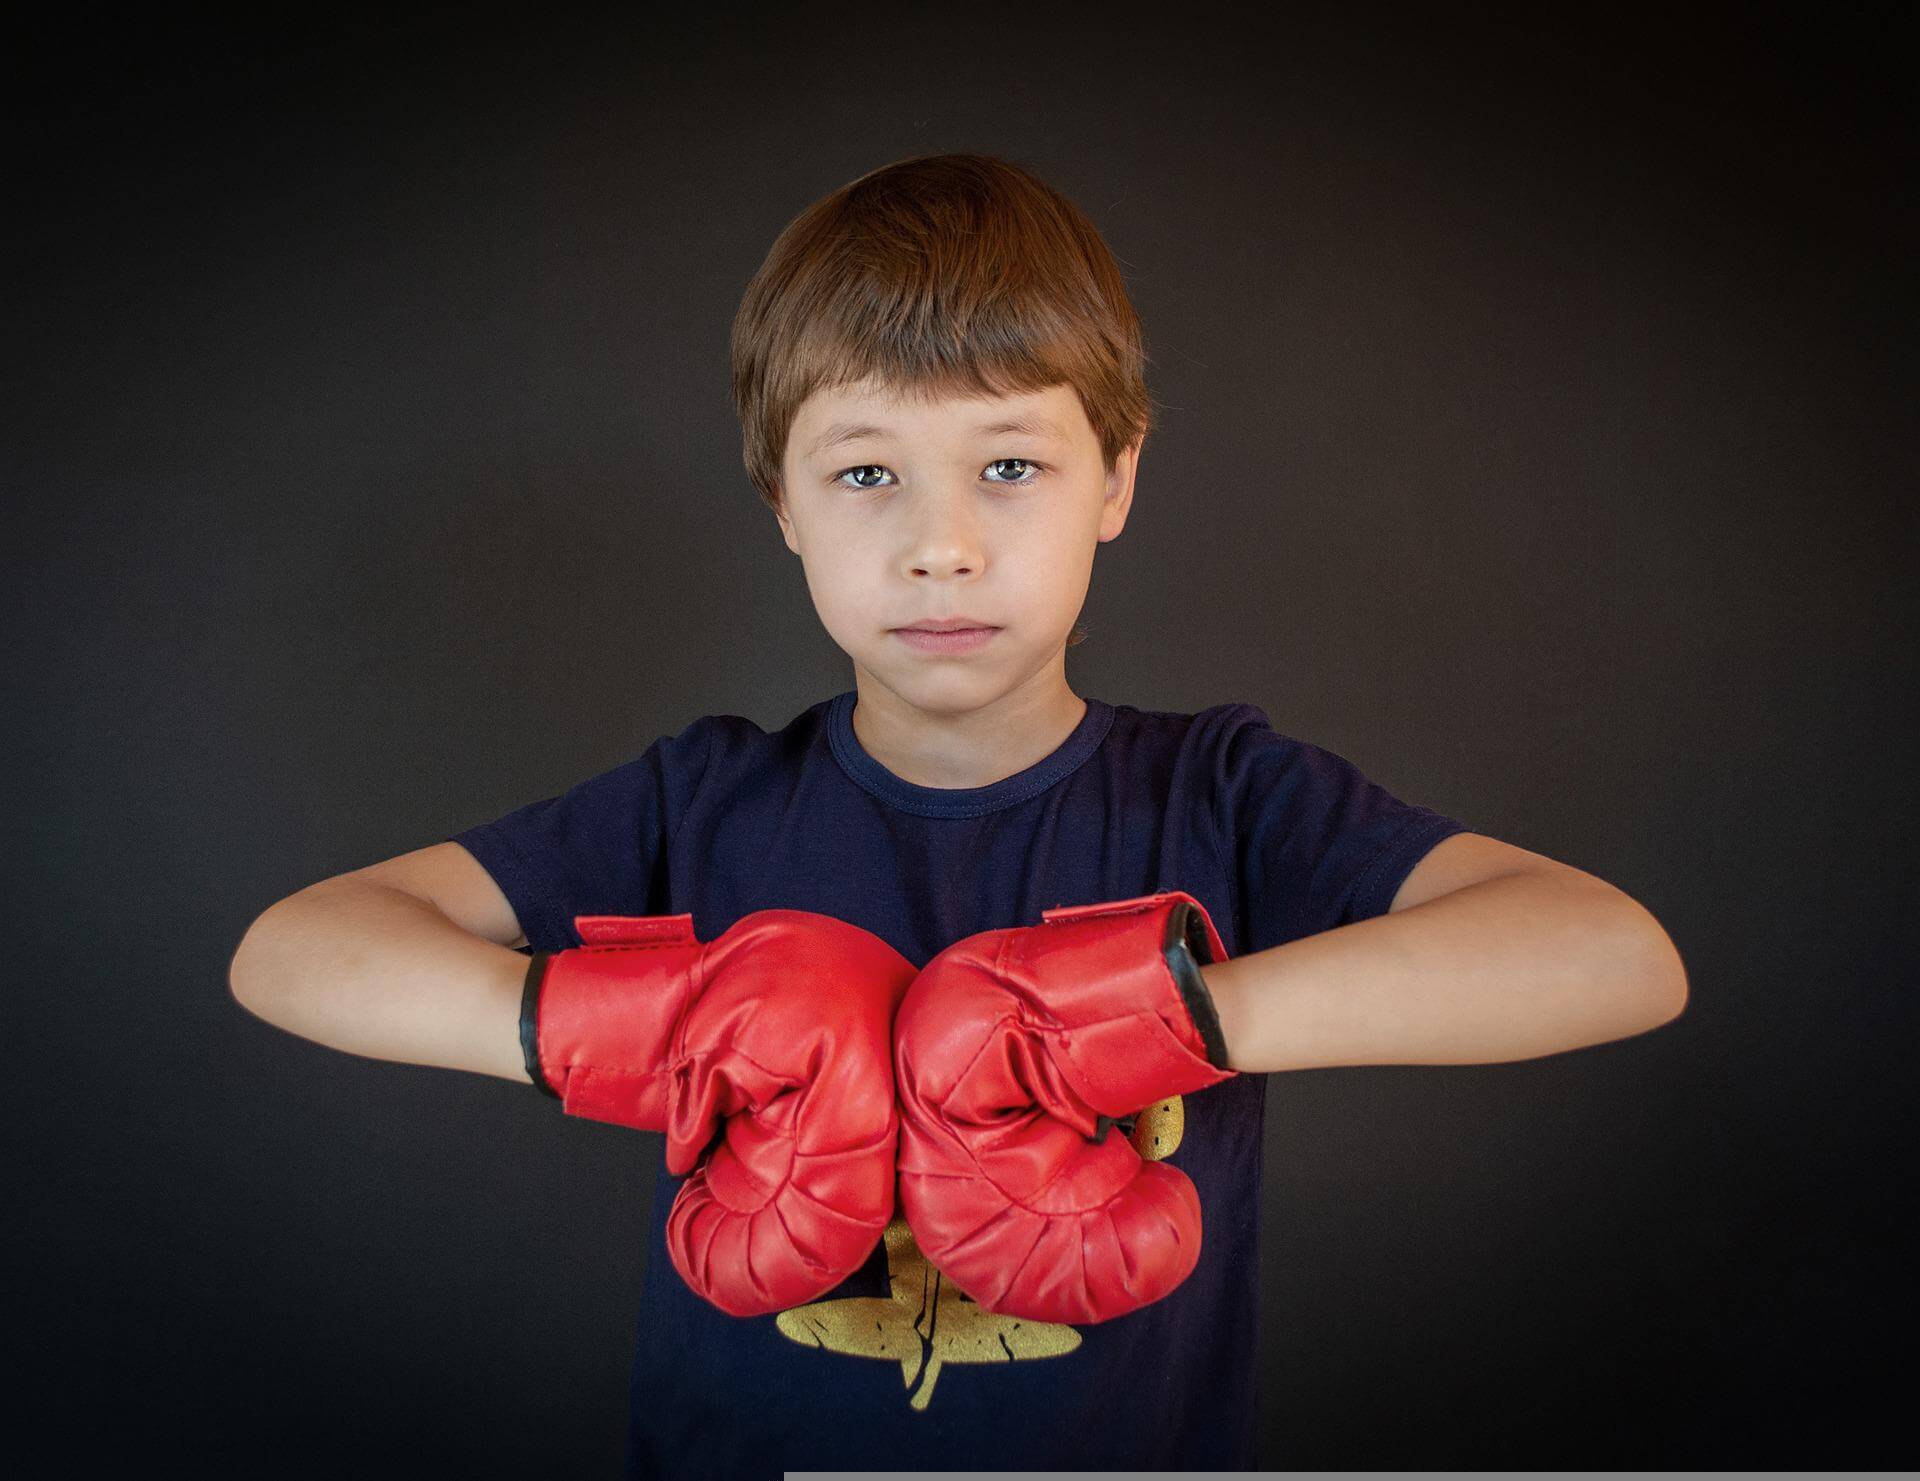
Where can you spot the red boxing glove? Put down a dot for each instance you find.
(778, 1033)
(1015, 1051)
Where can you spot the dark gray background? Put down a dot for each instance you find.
(1537, 434)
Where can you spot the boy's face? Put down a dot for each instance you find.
(926, 513)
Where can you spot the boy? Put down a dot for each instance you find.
(939, 380)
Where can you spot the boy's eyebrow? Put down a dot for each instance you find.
(840, 432)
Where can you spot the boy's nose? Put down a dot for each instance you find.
(946, 534)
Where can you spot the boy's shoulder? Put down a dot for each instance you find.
(1218, 726)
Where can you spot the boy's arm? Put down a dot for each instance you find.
(1489, 954)
(371, 969)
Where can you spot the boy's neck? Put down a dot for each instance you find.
(973, 748)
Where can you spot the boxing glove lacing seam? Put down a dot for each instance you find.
(1040, 1234)
(988, 1178)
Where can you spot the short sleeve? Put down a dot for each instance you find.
(599, 848)
(1316, 843)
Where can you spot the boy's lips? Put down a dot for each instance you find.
(957, 640)
(945, 625)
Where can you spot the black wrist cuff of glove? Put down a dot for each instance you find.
(530, 1023)
(1187, 953)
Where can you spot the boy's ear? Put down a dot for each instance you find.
(786, 524)
(1119, 494)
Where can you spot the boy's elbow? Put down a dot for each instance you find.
(1662, 974)
(244, 979)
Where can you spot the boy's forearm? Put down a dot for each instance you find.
(372, 970)
(1511, 968)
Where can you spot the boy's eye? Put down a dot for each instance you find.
(853, 472)
(1019, 482)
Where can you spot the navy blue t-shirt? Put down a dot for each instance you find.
(1277, 838)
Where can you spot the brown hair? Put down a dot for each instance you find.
(936, 276)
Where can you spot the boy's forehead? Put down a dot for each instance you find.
(877, 403)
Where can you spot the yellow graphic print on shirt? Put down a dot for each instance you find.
(926, 1322)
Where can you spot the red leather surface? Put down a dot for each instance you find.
(1008, 1047)
(765, 1056)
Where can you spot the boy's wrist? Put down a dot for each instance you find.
(1225, 993)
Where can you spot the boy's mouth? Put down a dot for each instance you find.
(948, 625)
(945, 640)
